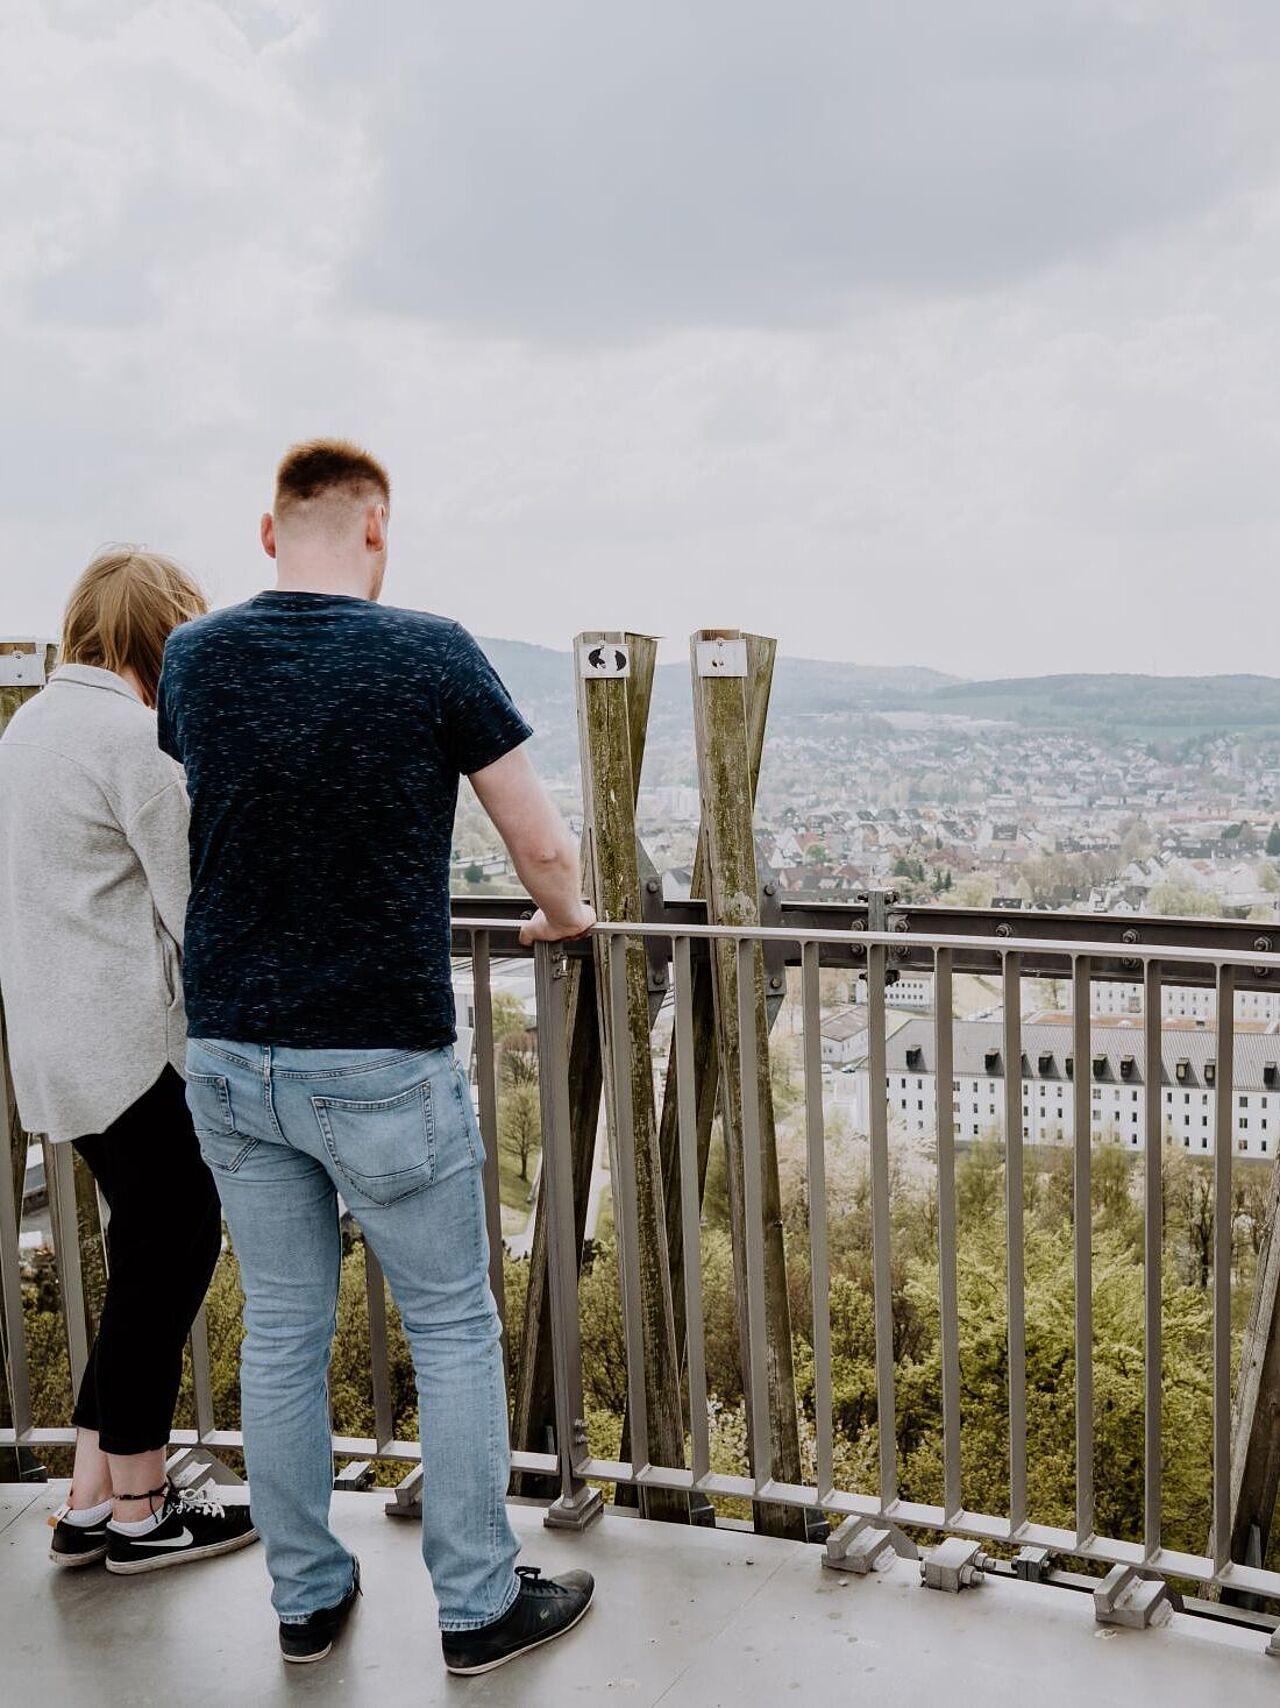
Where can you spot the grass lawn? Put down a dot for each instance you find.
(513, 1193)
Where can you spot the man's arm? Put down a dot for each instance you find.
(543, 852)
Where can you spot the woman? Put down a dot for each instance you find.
(93, 889)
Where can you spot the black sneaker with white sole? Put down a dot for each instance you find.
(544, 1609)
(311, 1639)
(193, 1526)
(77, 1544)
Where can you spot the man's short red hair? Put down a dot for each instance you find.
(320, 468)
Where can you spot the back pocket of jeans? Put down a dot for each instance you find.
(384, 1149)
(209, 1102)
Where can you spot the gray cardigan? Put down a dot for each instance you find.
(93, 892)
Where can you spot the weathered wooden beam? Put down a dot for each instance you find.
(724, 767)
(608, 721)
(706, 1064)
(533, 1421)
(24, 667)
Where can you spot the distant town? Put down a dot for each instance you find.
(1105, 794)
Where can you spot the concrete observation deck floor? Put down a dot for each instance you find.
(686, 1618)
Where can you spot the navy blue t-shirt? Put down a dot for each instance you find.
(323, 739)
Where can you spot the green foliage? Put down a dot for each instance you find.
(1183, 901)
(509, 1015)
(1116, 1233)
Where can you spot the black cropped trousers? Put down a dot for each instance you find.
(163, 1239)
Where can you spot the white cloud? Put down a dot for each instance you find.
(952, 346)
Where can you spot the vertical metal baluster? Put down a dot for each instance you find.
(625, 1201)
(1153, 1254)
(819, 1266)
(1224, 1078)
(886, 1400)
(486, 1088)
(384, 1424)
(690, 1209)
(18, 1374)
(1014, 1219)
(59, 1169)
(753, 1214)
(577, 1503)
(1082, 1196)
(201, 1380)
(948, 1297)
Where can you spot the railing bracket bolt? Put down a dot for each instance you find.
(954, 1565)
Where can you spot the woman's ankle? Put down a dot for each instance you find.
(82, 1498)
(133, 1508)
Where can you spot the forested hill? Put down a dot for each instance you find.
(805, 690)
(1176, 703)
(802, 685)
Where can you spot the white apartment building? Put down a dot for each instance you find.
(1179, 1002)
(1117, 1085)
(912, 990)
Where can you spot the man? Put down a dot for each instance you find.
(323, 738)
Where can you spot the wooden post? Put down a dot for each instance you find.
(534, 1410)
(607, 724)
(719, 663)
(24, 666)
(759, 681)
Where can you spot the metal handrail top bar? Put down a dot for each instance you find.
(898, 939)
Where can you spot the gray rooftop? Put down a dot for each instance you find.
(685, 1618)
(979, 1053)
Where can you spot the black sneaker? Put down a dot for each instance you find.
(193, 1526)
(312, 1638)
(77, 1544)
(544, 1609)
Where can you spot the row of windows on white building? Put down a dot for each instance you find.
(1118, 1112)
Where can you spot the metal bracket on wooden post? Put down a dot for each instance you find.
(1124, 1597)
(775, 958)
(652, 911)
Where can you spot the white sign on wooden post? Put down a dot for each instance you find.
(603, 658)
(22, 664)
(722, 657)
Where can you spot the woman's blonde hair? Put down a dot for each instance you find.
(123, 609)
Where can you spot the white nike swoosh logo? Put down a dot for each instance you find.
(183, 1540)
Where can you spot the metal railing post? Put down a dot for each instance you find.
(1153, 1256)
(578, 1504)
(1015, 1257)
(948, 1290)
(1224, 1086)
(487, 1097)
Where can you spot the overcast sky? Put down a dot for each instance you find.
(942, 332)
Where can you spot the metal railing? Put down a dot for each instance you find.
(1156, 953)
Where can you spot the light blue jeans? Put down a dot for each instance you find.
(284, 1132)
